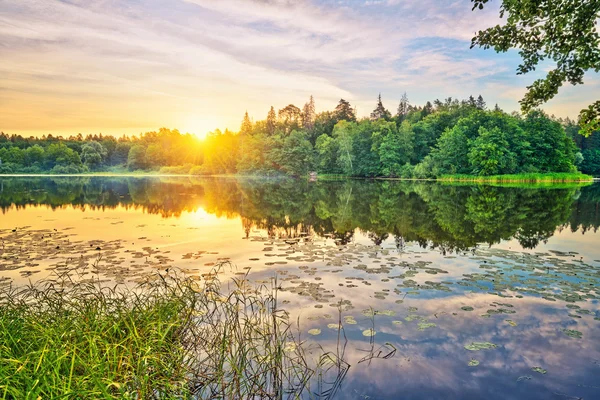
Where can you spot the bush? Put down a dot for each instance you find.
(177, 170)
(7, 168)
(407, 171)
(199, 170)
(67, 169)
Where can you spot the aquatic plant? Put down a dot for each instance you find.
(475, 346)
(170, 337)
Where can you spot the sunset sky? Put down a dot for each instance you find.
(123, 67)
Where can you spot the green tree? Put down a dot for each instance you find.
(246, 128)
(290, 118)
(489, 154)
(34, 155)
(591, 162)
(155, 156)
(564, 31)
(271, 121)
(403, 109)
(450, 154)
(343, 133)
(394, 146)
(364, 150)
(93, 154)
(137, 157)
(327, 150)
(324, 123)
(121, 153)
(480, 103)
(295, 156)
(380, 112)
(58, 154)
(308, 115)
(551, 149)
(344, 112)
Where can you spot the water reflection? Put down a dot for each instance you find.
(446, 217)
(350, 246)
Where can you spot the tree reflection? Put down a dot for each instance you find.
(450, 218)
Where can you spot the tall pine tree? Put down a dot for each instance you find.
(403, 107)
(344, 112)
(246, 128)
(271, 121)
(380, 111)
(480, 103)
(308, 115)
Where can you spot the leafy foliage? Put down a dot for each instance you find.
(563, 31)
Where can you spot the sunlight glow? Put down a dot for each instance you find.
(199, 125)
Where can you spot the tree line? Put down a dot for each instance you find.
(444, 137)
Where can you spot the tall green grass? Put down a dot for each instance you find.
(553, 177)
(171, 337)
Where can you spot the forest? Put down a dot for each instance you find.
(441, 138)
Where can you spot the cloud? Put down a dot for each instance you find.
(156, 61)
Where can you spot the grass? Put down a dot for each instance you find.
(172, 337)
(553, 177)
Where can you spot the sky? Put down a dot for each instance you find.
(131, 66)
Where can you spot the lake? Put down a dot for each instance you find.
(443, 291)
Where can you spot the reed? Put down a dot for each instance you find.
(554, 177)
(171, 337)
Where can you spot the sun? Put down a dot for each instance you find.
(198, 125)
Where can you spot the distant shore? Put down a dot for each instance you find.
(516, 178)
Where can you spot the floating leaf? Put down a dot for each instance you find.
(369, 333)
(573, 333)
(511, 322)
(314, 332)
(474, 346)
(397, 322)
(290, 346)
(425, 325)
(467, 308)
(473, 363)
(539, 369)
(369, 312)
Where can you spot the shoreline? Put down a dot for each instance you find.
(524, 179)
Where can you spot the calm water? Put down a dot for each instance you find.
(435, 271)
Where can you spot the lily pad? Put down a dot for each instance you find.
(511, 322)
(314, 332)
(369, 333)
(540, 370)
(475, 346)
(473, 363)
(467, 308)
(425, 325)
(573, 333)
